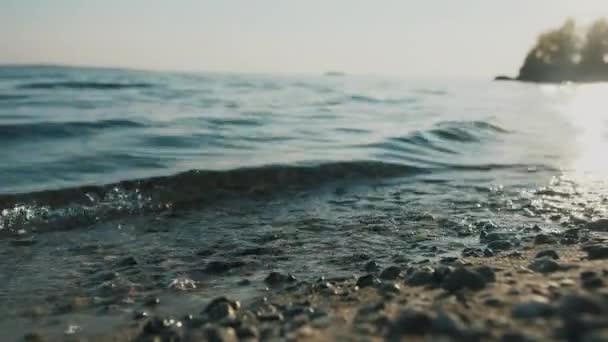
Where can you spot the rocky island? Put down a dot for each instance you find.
(567, 54)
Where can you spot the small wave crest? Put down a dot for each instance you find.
(82, 205)
(77, 85)
(10, 132)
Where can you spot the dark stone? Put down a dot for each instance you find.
(494, 302)
(544, 265)
(596, 251)
(593, 283)
(441, 272)
(500, 245)
(23, 242)
(463, 278)
(276, 279)
(588, 275)
(532, 309)
(488, 252)
(487, 273)
(391, 273)
(222, 308)
(575, 305)
(549, 253)
(422, 277)
(503, 78)
(368, 280)
(410, 322)
(544, 239)
(491, 237)
(449, 325)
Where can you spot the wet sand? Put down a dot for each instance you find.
(548, 287)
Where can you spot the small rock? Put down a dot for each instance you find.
(368, 280)
(390, 288)
(593, 283)
(463, 278)
(544, 265)
(549, 253)
(487, 273)
(488, 252)
(276, 279)
(532, 309)
(575, 305)
(391, 273)
(158, 326)
(491, 237)
(422, 277)
(500, 245)
(596, 251)
(448, 324)
(222, 308)
(544, 239)
(410, 322)
(494, 302)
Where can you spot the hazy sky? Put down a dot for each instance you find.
(405, 37)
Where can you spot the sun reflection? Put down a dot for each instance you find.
(586, 108)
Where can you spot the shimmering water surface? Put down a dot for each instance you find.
(114, 184)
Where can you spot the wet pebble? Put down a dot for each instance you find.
(575, 305)
(277, 279)
(449, 325)
(500, 245)
(596, 251)
(472, 252)
(549, 253)
(487, 273)
(532, 309)
(391, 273)
(222, 308)
(126, 262)
(410, 322)
(152, 301)
(544, 265)
(544, 239)
(463, 278)
(367, 281)
(422, 277)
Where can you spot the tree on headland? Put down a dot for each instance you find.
(564, 55)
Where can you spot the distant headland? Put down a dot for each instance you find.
(567, 54)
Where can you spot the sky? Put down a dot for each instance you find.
(377, 37)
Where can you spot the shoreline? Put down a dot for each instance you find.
(550, 287)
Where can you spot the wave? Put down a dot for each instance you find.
(79, 205)
(9, 132)
(10, 97)
(78, 85)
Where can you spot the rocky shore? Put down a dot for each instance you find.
(546, 287)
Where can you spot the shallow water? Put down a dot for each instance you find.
(223, 177)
